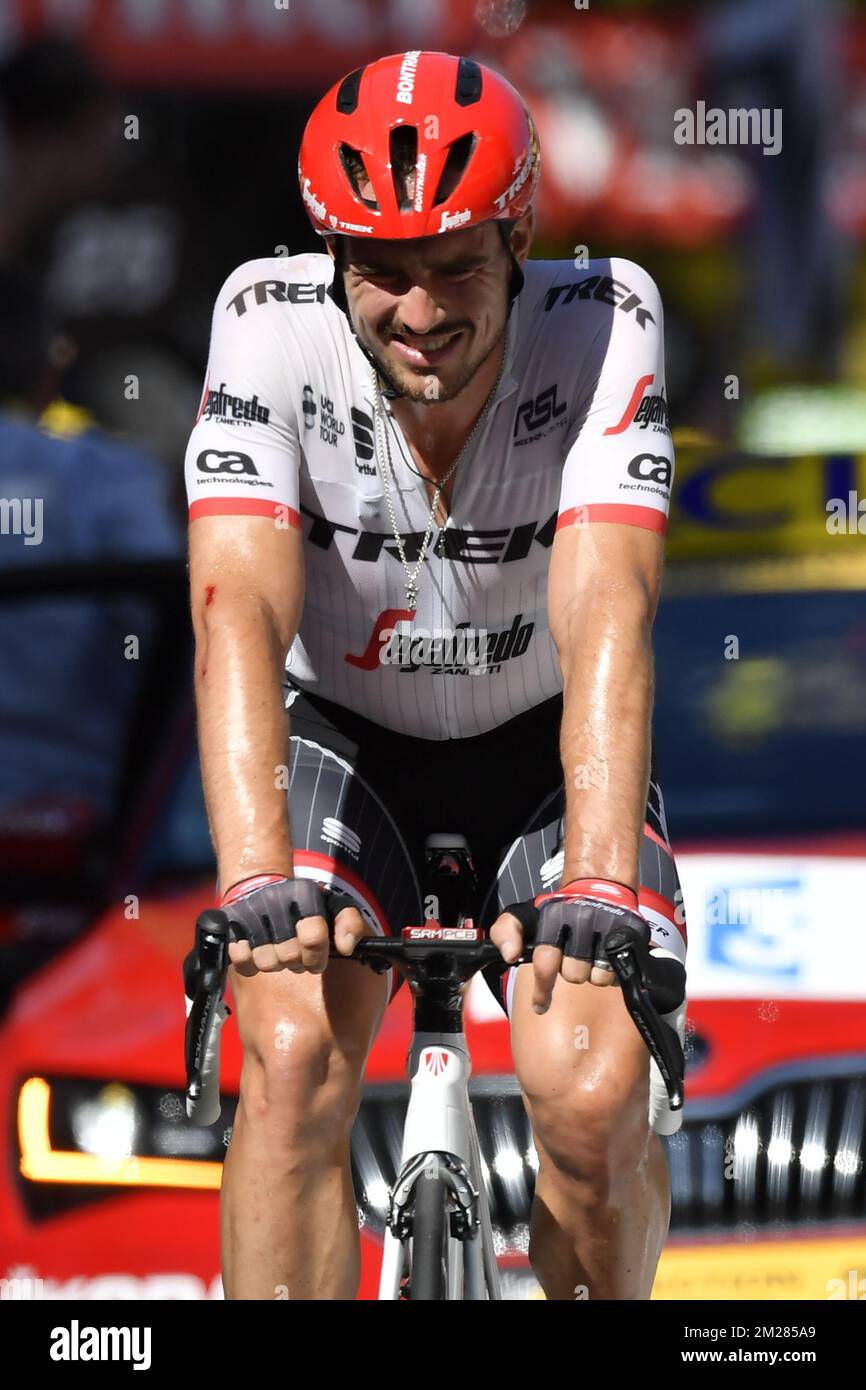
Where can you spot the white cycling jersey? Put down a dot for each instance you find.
(576, 433)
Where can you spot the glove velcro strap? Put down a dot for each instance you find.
(248, 885)
(269, 914)
(577, 924)
(606, 890)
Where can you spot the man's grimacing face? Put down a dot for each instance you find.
(432, 309)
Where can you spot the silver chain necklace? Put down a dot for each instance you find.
(386, 468)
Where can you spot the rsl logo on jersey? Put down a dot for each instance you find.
(538, 416)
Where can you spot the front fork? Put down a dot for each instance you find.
(440, 1130)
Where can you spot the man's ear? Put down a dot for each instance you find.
(521, 235)
(337, 289)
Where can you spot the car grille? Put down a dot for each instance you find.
(789, 1154)
(785, 1153)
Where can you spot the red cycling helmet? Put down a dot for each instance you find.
(460, 128)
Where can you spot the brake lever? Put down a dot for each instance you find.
(629, 955)
(205, 970)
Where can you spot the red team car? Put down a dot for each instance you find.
(110, 1192)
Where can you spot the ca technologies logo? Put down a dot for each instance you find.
(76, 1343)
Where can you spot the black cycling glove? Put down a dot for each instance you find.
(577, 917)
(266, 909)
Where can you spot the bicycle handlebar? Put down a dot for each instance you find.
(651, 986)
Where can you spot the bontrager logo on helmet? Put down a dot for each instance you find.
(417, 144)
(406, 84)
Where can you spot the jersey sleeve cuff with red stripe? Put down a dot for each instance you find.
(280, 512)
(648, 518)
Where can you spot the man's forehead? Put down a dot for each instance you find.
(461, 244)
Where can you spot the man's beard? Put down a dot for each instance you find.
(417, 388)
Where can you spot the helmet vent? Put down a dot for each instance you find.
(356, 172)
(459, 156)
(403, 146)
(468, 88)
(347, 93)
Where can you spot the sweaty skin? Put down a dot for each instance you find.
(603, 591)
(403, 292)
(296, 1229)
(289, 1227)
(602, 1201)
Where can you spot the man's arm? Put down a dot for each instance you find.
(603, 589)
(604, 581)
(247, 589)
(603, 592)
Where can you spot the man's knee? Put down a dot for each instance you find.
(590, 1117)
(299, 1080)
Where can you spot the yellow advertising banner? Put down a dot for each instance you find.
(825, 1270)
(727, 503)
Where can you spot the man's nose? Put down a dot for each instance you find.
(418, 311)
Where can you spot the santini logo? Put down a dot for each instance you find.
(76, 1343)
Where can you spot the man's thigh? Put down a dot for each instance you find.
(587, 1038)
(343, 832)
(344, 836)
(534, 861)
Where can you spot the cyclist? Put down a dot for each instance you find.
(428, 491)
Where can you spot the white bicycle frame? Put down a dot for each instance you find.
(439, 1121)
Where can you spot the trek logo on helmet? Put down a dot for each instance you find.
(524, 166)
(348, 226)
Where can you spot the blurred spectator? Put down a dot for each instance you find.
(69, 493)
(780, 56)
(58, 127)
(89, 210)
